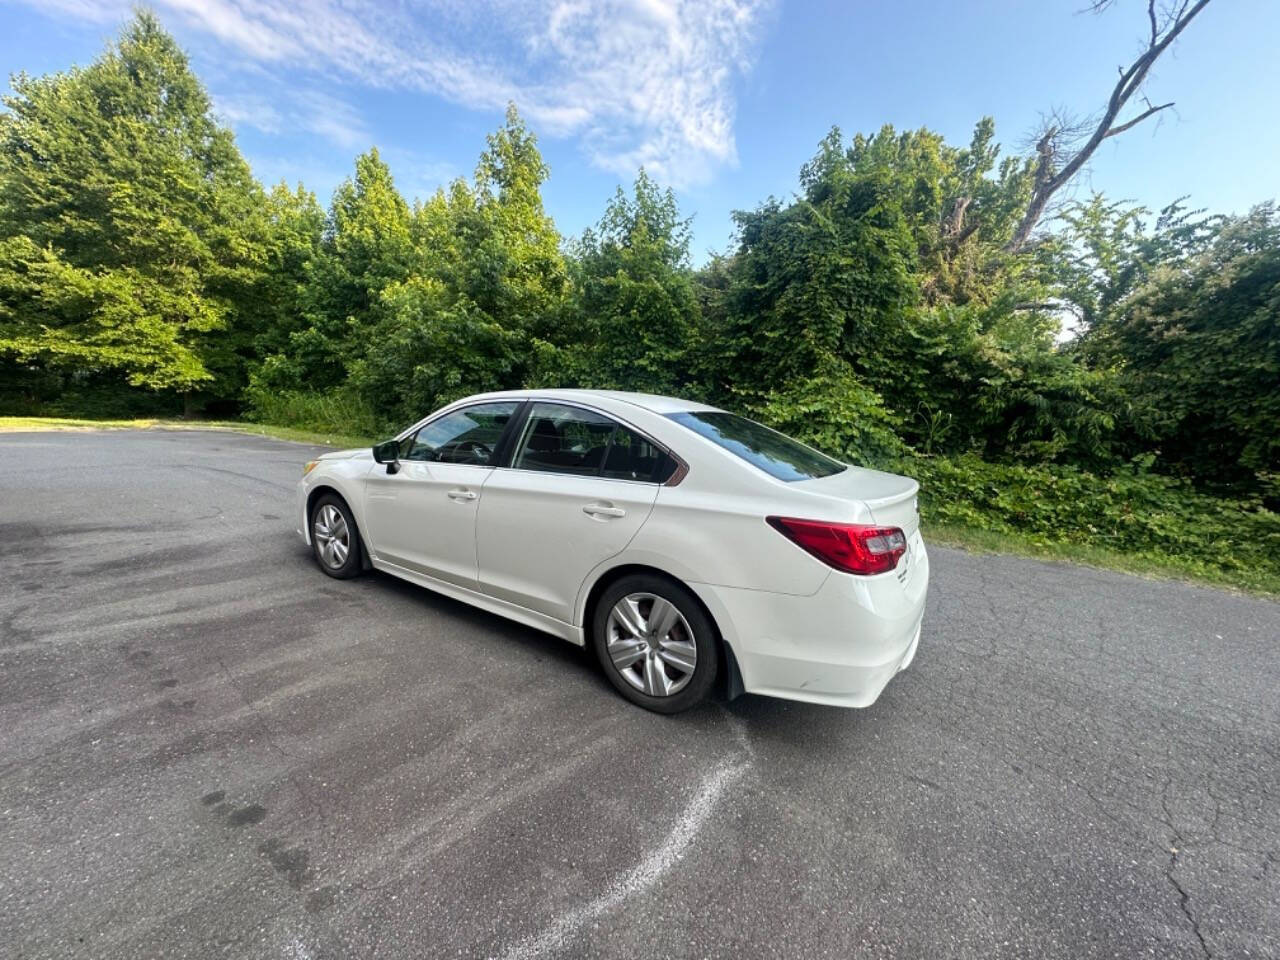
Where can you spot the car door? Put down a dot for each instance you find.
(422, 515)
(577, 491)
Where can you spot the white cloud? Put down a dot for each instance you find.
(637, 82)
(309, 110)
(88, 11)
(331, 118)
(248, 110)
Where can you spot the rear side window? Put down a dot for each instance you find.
(562, 439)
(768, 450)
(559, 438)
(631, 457)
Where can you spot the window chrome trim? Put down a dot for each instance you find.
(451, 408)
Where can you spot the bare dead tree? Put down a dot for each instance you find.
(1057, 160)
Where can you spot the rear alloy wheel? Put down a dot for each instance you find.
(335, 541)
(655, 643)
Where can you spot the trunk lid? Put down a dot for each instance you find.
(891, 498)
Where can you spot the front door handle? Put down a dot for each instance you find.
(603, 510)
(462, 495)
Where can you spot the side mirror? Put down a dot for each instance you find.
(388, 452)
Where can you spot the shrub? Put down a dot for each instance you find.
(340, 411)
(835, 411)
(1130, 510)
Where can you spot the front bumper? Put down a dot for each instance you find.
(840, 646)
(300, 511)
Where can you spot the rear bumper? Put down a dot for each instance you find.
(840, 646)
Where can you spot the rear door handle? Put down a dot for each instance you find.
(602, 510)
(462, 495)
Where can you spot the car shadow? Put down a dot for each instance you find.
(543, 644)
(768, 716)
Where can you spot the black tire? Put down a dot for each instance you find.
(352, 563)
(703, 637)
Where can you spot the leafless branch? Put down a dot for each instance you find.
(1056, 162)
(1136, 120)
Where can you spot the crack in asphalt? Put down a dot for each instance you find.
(1175, 851)
(1184, 901)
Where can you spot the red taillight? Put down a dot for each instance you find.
(851, 547)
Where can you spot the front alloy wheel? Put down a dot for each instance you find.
(335, 541)
(333, 536)
(656, 643)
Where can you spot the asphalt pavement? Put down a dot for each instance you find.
(209, 749)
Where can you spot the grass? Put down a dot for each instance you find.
(40, 424)
(1258, 581)
(1151, 566)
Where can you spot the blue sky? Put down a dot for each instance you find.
(722, 99)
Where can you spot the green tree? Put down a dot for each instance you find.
(365, 249)
(1104, 250)
(960, 204)
(1197, 347)
(829, 276)
(887, 283)
(295, 259)
(486, 291)
(129, 223)
(633, 318)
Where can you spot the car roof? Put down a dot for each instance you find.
(648, 401)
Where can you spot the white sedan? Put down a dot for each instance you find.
(687, 545)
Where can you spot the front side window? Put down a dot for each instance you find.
(469, 435)
(768, 450)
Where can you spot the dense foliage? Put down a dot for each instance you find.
(878, 313)
(130, 238)
(1196, 350)
(1130, 510)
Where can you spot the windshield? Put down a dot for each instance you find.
(773, 452)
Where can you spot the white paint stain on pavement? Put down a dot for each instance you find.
(643, 876)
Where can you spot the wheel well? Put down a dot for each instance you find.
(730, 678)
(319, 492)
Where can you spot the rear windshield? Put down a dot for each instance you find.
(774, 453)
